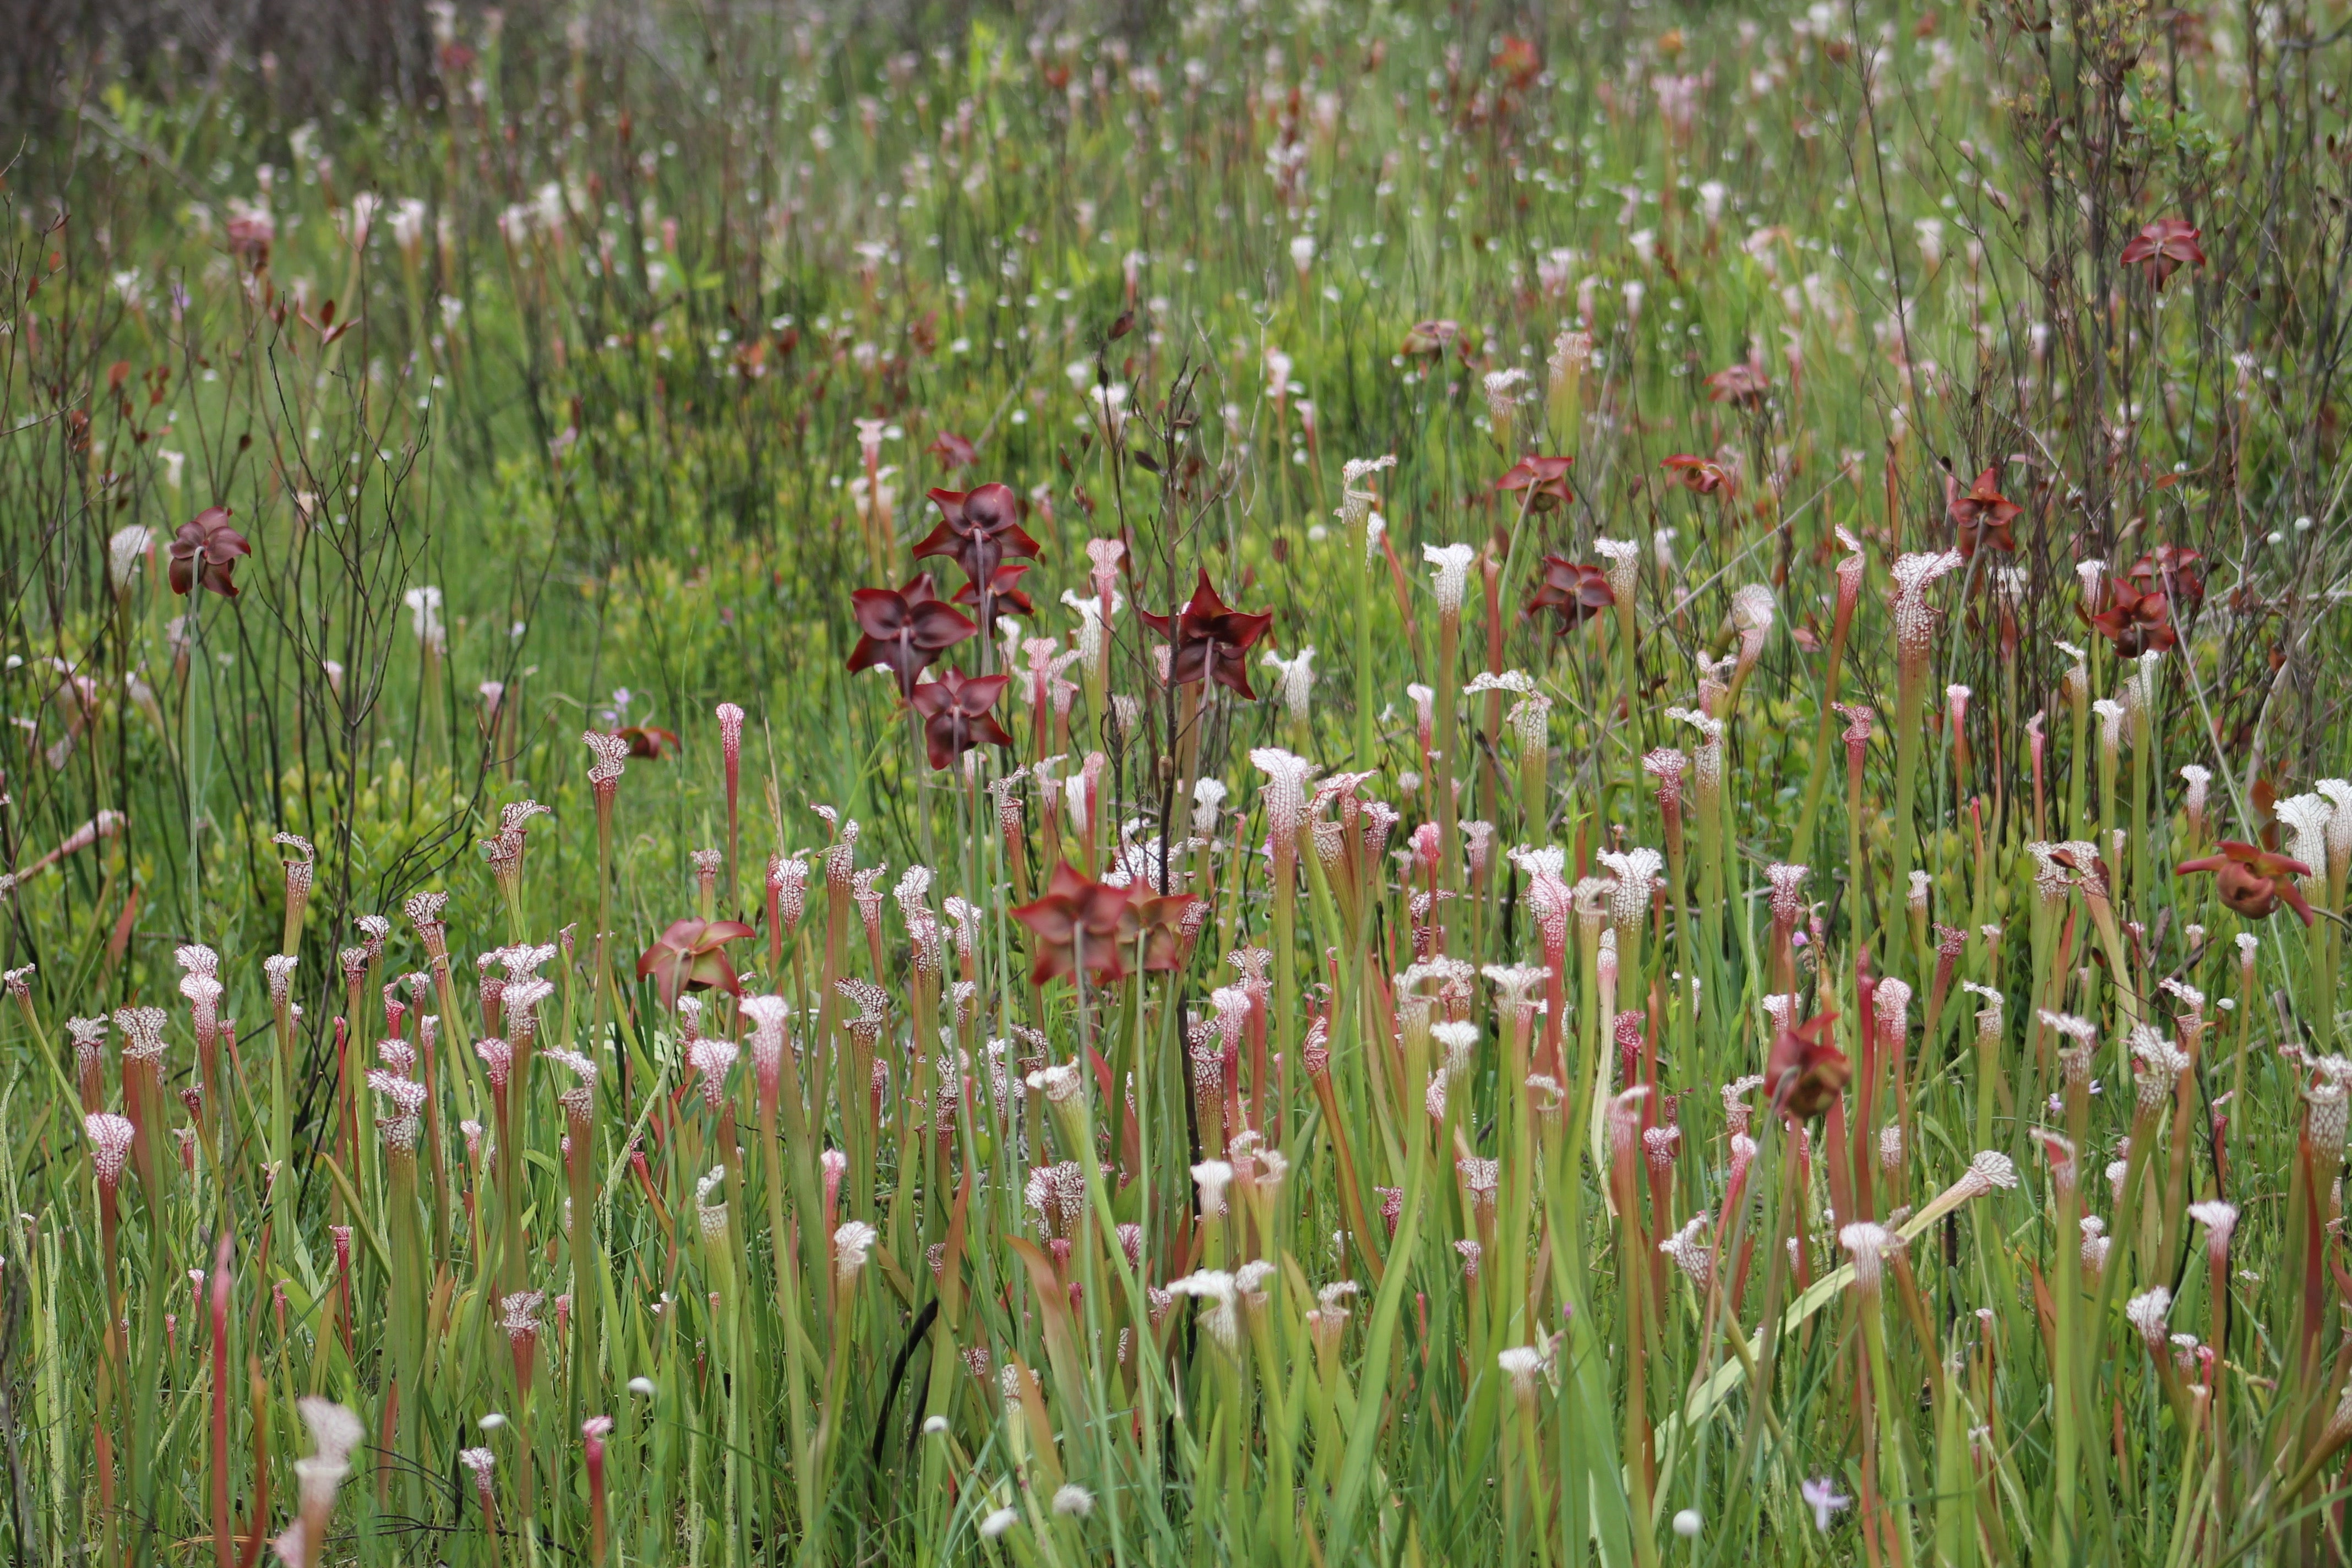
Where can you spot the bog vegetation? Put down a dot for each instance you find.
(1308, 785)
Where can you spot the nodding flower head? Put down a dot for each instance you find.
(142, 1031)
(1450, 578)
(110, 1138)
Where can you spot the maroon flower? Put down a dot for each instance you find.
(1211, 639)
(978, 530)
(2163, 249)
(648, 741)
(2136, 623)
(1005, 592)
(2254, 880)
(1427, 337)
(904, 629)
(1806, 1073)
(1981, 514)
(954, 451)
(691, 956)
(204, 552)
(2176, 571)
(1702, 476)
(1078, 924)
(956, 717)
(1571, 591)
(1545, 480)
(1744, 383)
(1159, 924)
(1517, 61)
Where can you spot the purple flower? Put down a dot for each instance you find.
(1821, 1497)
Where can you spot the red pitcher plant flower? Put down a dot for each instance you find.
(1805, 1073)
(904, 630)
(2252, 880)
(2164, 248)
(957, 714)
(1701, 476)
(1211, 639)
(979, 529)
(1572, 591)
(2135, 622)
(691, 956)
(1541, 481)
(1981, 515)
(204, 554)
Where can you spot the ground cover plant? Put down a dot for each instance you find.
(1291, 784)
